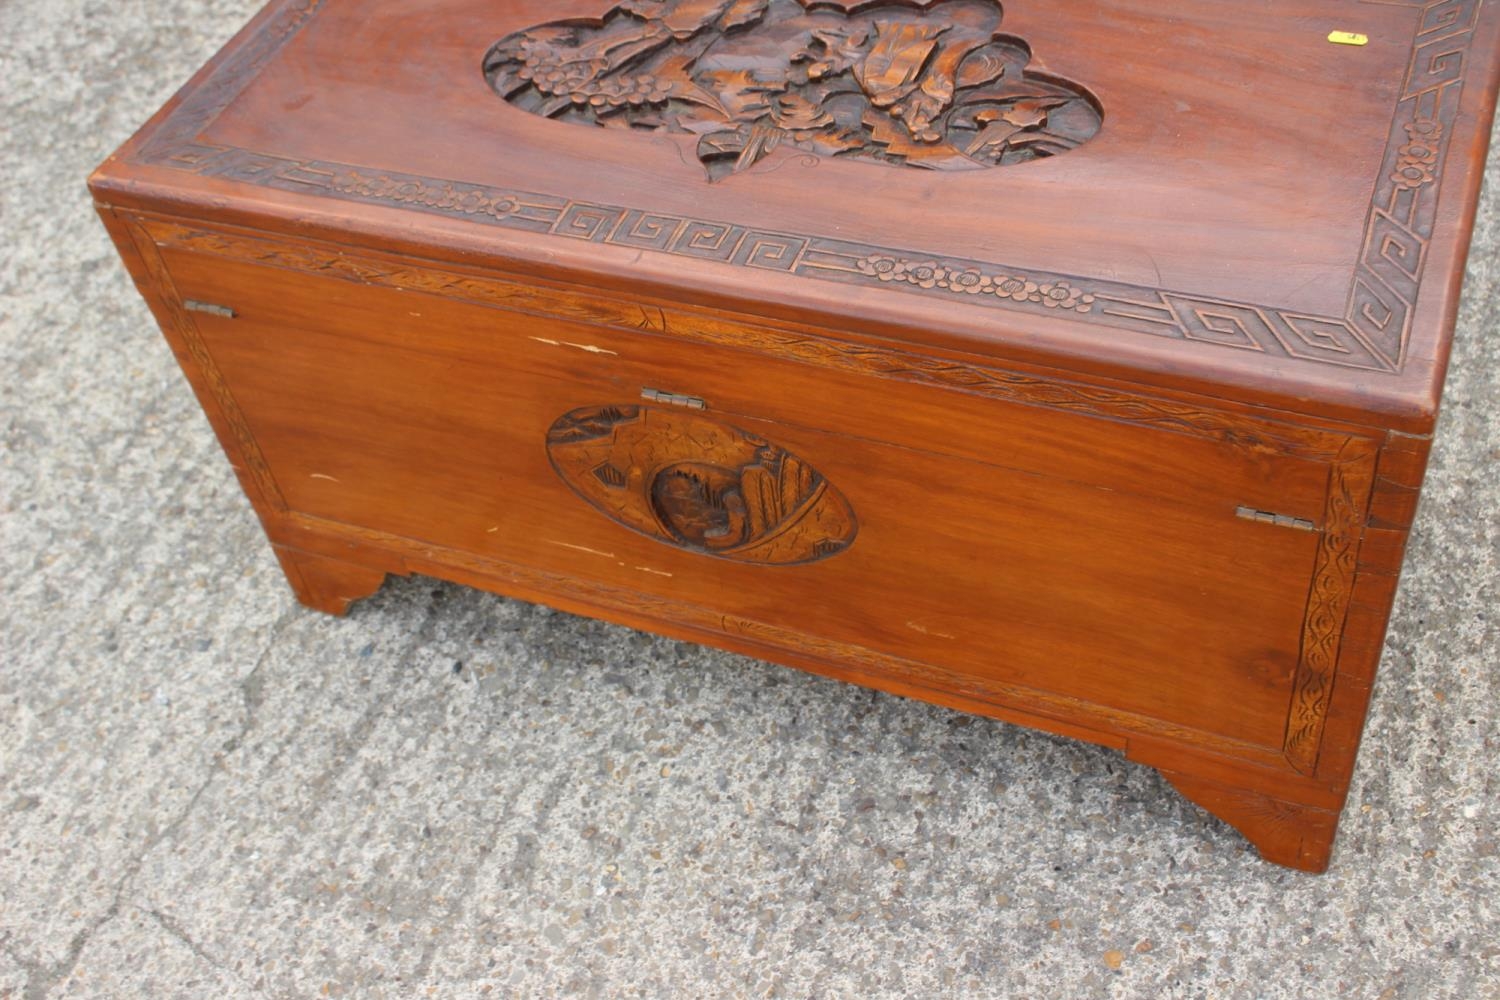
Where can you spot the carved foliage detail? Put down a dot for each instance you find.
(701, 485)
(927, 83)
(962, 280)
(1417, 158)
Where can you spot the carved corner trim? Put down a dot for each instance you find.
(1351, 480)
(931, 84)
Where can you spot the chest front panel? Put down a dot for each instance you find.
(1131, 563)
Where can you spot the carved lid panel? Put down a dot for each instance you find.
(927, 85)
(1203, 194)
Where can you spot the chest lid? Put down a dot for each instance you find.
(1271, 202)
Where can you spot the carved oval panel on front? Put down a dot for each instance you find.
(926, 83)
(693, 482)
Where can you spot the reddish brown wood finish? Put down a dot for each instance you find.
(1287, 833)
(1137, 469)
(327, 585)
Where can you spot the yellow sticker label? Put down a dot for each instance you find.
(1348, 38)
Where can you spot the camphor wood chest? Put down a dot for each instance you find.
(1072, 363)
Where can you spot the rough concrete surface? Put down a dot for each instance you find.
(206, 791)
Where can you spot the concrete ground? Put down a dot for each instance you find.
(206, 791)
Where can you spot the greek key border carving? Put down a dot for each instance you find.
(1248, 433)
(1372, 334)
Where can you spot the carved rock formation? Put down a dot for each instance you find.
(928, 83)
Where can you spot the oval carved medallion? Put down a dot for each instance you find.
(925, 83)
(695, 483)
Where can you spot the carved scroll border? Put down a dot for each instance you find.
(1350, 459)
(1350, 479)
(1372, 334)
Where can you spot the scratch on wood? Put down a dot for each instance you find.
(582, 548)
(319, 475)
(590, 348)
(919, 627)
(658, 572)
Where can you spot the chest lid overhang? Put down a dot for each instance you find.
(1199, 194)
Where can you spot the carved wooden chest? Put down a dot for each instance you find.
(1070, 363)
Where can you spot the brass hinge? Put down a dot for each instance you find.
(223, 312)
(673, 399)
(1280, 520)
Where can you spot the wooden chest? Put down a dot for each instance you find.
(1073, 364)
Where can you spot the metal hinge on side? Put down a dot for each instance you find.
(223, 312)
(1280, 520)
(673, 399)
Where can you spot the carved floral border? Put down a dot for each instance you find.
(1372, 334)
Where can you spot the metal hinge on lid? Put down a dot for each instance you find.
(1280, 520)
(673, 399)
(193, 305)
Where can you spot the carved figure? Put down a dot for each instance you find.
(928, 83)
(698, 484)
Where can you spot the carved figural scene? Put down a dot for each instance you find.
(927, 83)
(701, 485)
